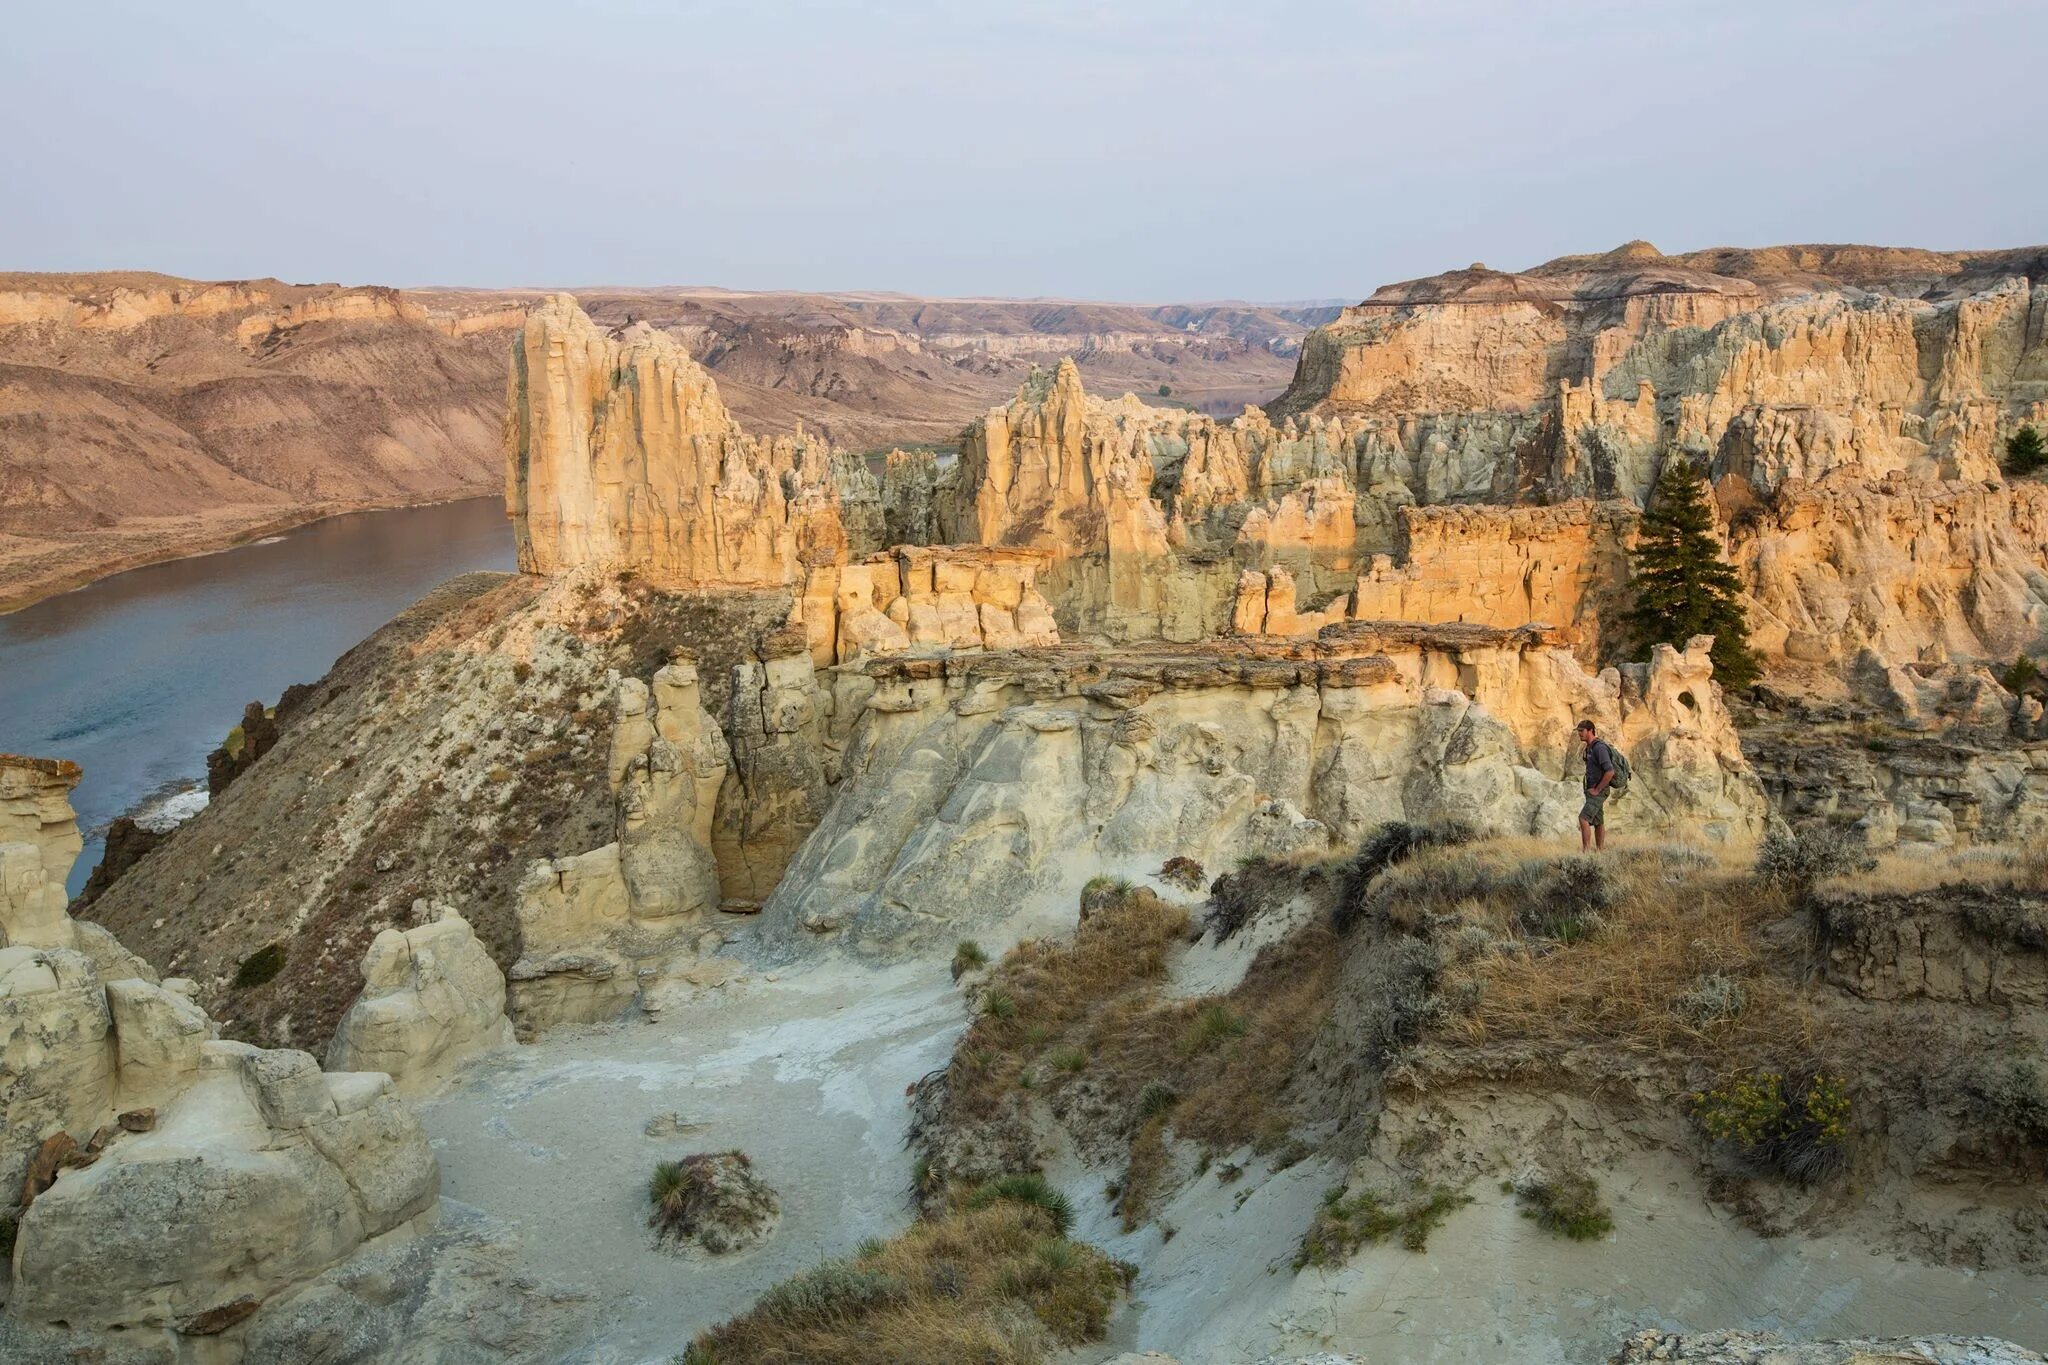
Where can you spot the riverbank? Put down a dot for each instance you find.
(33, 568)
(137, 676)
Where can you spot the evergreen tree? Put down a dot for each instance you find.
(2025, 452)
(1678, 582)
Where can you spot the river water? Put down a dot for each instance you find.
(137, 677)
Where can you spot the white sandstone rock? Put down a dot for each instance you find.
(432, 999)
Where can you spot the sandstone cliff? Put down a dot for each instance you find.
(1580, 377)
(622, 456)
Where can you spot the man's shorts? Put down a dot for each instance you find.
(1594, 812)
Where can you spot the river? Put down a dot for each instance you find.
(137, 677)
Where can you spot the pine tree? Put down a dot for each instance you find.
(1679, 584)
(2025, 452)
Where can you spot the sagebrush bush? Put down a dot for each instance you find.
(1799, 861)
(2008, 1103)
(1391, 843)
(1714, 998)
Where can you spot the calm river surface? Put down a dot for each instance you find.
(137, 677)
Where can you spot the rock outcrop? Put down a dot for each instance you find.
(947, 597)
(432, 999)
(1586, 373)
(1768, 1348)
(168, 1179)
(588, 921)
(621, 456)
(973, 783)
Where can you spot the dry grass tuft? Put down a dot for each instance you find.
(1346, 1222)
(1665, 958)
(1090, 1014)
(1042, 990)
(993, 1281)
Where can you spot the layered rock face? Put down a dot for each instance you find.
(972, 784)
(1591, 370)
(950, 597)
(1903, 568)
(144, 417)
(621, 456)
(168, 1178)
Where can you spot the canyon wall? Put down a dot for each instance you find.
(973, 783)
(143, 417)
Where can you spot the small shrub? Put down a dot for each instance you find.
(1391, 843)
(2022, 675)
(833, 1290)
(1185, 873)
(2008, 1103)
(260, 967)
(521, 671)
(1567, 1205)
(1030, 1188)
(1071, 1060)
(1799, 861)
(1565, 900)
(1798, 1130)
(1214, 1024)
(1343, 1224)
(1713, 999)
(999, 1004)
(968, 957)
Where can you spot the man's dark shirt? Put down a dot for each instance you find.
(1599, 762)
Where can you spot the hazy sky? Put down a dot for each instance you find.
(1144, 151)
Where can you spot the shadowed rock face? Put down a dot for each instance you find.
(971, 783)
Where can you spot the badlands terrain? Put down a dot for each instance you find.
(143, 417)
(1101, 884)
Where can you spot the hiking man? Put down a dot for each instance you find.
(1600, 771)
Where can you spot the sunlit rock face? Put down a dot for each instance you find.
(1582, 376)
(620, 455)
(1468, 448)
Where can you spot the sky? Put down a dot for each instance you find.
(1144, 151)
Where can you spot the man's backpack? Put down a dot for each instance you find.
(1622, 773)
